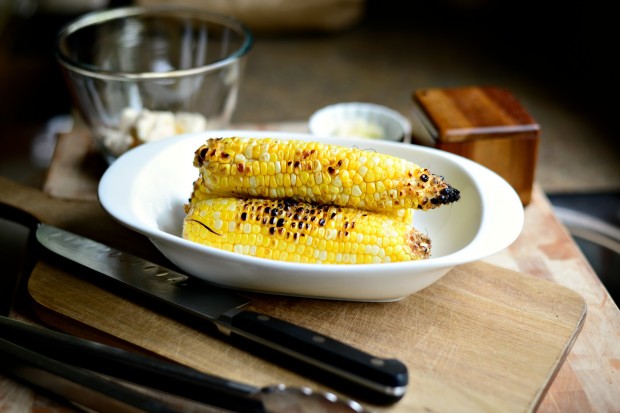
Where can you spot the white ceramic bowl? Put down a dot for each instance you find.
(146, 188)
(360, 120)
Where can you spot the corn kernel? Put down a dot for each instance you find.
(301, 232)
(340, 167)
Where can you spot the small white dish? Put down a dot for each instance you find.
(146, 188)
(360, 120)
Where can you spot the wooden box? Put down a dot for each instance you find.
(485, 124)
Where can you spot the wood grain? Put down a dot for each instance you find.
(587, 381)
(487, 125)
(483, 338)
(467, 113)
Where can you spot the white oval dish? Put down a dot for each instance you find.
(146, 188)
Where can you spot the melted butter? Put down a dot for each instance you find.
(359, 128)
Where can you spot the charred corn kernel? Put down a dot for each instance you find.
(200, 193)
(302, 232)
(316, 172)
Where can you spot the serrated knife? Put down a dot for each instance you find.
(379, 380)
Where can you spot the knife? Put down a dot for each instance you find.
(81, 371)
(379, 380)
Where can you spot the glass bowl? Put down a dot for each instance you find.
(140, 74)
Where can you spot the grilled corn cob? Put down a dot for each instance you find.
(318, 173)
(295, 231)
(199, 193)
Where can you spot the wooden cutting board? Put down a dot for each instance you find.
(483, 338)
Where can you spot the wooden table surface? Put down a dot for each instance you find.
(589, 378)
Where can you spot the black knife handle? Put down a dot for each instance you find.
(386, 377)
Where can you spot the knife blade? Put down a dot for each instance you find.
(376, 379)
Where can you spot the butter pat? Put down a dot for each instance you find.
(137, 127)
